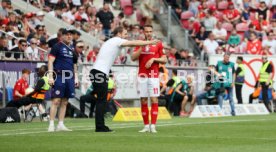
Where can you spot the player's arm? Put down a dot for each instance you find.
(135, 55)
(51, 60)
(138, 43)
(162, 59)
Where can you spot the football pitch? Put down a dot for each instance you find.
(228, 134)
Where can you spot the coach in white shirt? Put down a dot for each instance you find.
(99, 73)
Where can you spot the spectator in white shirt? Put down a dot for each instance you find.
(220, 34)
(80, 14)
(57, 12)
(69, 16)
(210, 45)
(31, 53)
(39, 18)
(270, 44)
(209, 21)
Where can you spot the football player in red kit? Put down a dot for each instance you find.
(149, 58)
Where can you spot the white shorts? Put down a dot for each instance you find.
(148, 87)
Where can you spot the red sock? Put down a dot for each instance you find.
(154, 113)
(145, 113)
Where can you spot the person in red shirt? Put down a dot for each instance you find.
(194, 26)
(201, 14)
(260, 24)
(92, 55)
(148, 77)
(21, 85)
(254, 46)
(231, 15)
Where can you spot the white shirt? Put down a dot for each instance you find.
(272, 45)
(53, 1)
(76, 2)
(221, 32)
(108, 53)
(52, 13)
(69, 16)
(31, 53)
(211, 46)
(84, 16)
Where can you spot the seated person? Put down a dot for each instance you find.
(183, 93)
(88, 97)
(37, 96)
(208, 92)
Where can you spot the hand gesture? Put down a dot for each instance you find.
(153, 42)
(149, 63)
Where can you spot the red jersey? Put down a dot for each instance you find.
(231, 14)
(148, 52)
(254, 47)
(257, 24)
(21, 85)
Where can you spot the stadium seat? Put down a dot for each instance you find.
(128, 10)
(219, 16)
(227, 26)
(185, 18)
(9, 93)
(124, 3)
(252, 16)
(211, 4)
(222, 5)
(127, 7)
(241, 28)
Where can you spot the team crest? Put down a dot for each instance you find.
(57, 92)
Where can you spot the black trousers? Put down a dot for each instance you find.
(23, 102)
(89, 99)
(100, 88)
(251, 98)
(238, 88)
(265, 95)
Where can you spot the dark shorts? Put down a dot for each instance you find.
(64, 89)
(179, 98)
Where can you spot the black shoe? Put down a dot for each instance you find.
(233, 113)
(103, 129)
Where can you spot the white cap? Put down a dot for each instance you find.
(40, 13)
(192, 19)
(10, 33)
(191, 54)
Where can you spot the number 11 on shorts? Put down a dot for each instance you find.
(155, 90)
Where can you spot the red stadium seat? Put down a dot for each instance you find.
(222, 5)
(128, 10)
(227, 26)
(185, 17)
(252, 16)
(242, 27)
(219, 16)
(211, 4)
(139, 15)
(124, 3)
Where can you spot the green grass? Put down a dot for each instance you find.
(228, 134)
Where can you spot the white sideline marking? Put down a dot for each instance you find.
(134, 126)
(81, 126)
